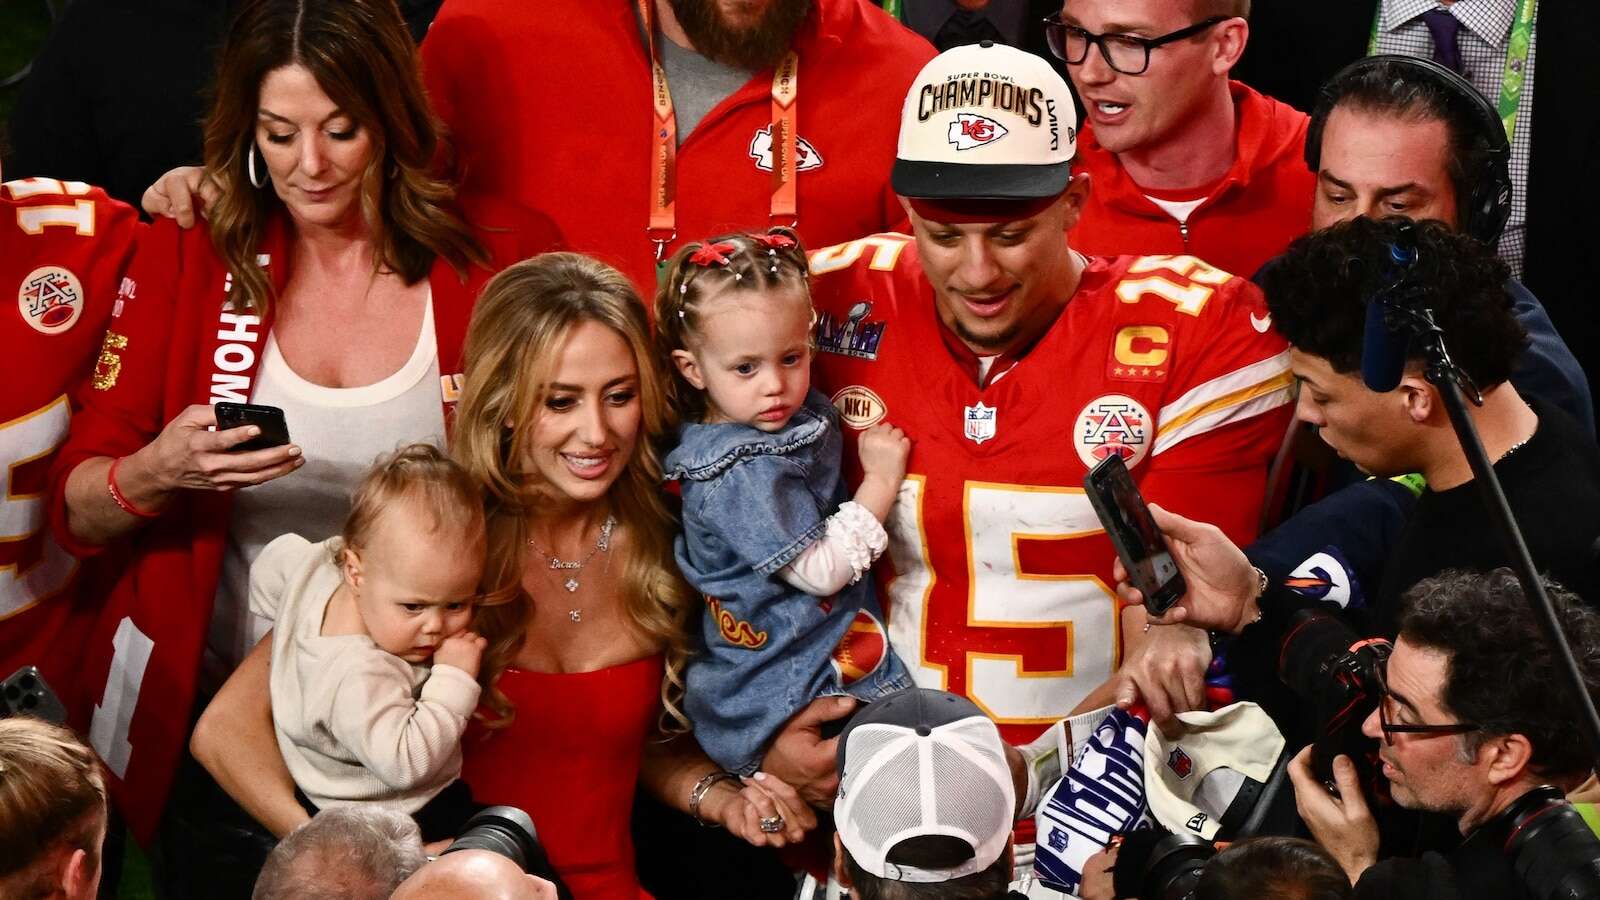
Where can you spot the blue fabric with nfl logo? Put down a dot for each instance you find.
(1101, 795)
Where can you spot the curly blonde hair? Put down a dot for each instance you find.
(525, 315)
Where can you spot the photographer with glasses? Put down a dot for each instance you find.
(1182, 160)
(1473, 721)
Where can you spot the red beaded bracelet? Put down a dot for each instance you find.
(116, 495)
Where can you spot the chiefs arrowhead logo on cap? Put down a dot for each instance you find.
(972, 130)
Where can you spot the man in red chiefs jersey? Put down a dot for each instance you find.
(63, 247)
(1015, 364)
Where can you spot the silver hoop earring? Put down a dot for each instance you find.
(250, 157)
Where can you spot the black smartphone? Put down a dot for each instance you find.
(1134, 534)
(274, 430)
(25, 693)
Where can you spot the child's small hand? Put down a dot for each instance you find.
(883, 449)
(464, 650)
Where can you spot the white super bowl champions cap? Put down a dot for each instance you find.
(985, 122)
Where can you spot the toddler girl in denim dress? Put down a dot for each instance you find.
(770, 536)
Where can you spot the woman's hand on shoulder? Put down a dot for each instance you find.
(763, 797)
(186, 455)
(179, 194)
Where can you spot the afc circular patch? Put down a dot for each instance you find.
(861, 650)
(859, 407)
(1112, 424)
(50, 299)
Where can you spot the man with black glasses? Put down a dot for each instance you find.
(1474, 722)
(1182, 160)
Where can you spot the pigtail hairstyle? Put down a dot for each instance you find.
(700, 270)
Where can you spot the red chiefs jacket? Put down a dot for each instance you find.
(549, 105)
(172, 343)
(1263, 203)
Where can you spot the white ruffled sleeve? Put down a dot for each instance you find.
(852, 542)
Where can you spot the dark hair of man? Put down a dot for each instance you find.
(1273, 868)
(1318, 293)
(1398, 91)
(1502, 675)
(990, 884)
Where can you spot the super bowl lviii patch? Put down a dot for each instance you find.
(857, 334)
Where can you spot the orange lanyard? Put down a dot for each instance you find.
(663, 228)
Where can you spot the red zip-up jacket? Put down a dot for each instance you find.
(1262, 204)
(172, 343)
(549, 105)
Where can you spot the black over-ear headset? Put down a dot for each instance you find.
(1487, 203)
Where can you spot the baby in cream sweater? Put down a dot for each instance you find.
(374, 673)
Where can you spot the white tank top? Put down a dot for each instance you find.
(341, 431)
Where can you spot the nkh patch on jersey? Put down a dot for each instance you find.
(859, 407)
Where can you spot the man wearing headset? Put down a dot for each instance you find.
(1397, 135)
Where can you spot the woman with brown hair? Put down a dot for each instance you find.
(335, 281)
(585, 612)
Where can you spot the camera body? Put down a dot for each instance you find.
(1324, 661)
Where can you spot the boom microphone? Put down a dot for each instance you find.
(1384, 349)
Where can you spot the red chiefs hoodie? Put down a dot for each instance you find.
(1262, 204)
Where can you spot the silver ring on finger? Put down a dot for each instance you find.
(771, 824)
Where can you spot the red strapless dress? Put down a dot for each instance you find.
(571, 760)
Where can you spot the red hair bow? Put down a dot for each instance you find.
(713, 254)
(775, 241)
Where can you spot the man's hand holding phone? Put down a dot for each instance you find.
(1222, 585)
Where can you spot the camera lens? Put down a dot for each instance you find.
(503, 830)
(508, 831)
(1155, 865)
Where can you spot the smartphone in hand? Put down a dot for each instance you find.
(274, 430)
(1134, 534)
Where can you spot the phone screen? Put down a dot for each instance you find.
(1134, 534)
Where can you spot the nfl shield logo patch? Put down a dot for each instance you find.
(979, 422)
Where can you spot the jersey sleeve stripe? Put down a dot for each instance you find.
(1237, 395)
(1252, 403)
(1205, 394)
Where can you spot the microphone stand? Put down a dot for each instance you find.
(1443, 374)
